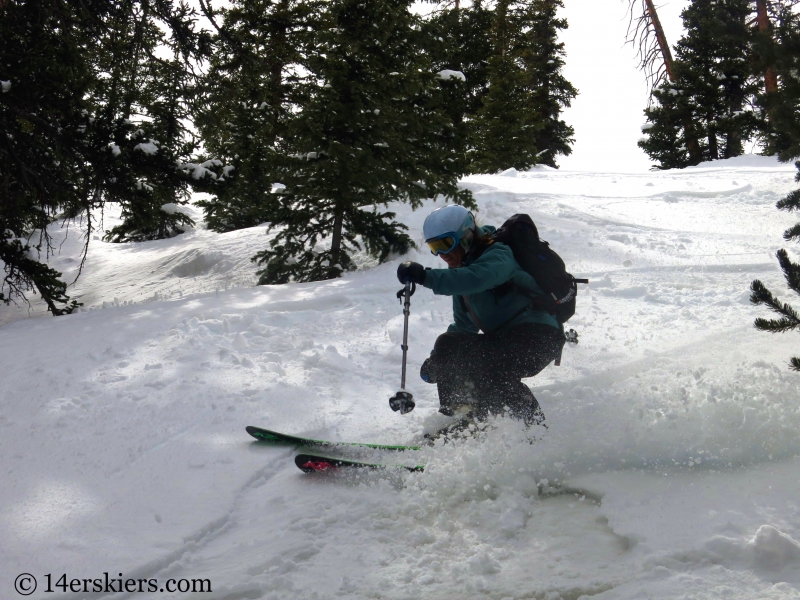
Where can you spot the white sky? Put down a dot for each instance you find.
(608, 113)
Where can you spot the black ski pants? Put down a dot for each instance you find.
(483, 371)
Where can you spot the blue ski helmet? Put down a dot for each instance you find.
(447, 227)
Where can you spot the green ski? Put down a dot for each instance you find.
(273, 437)
(311, 463)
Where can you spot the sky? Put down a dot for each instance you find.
(607, 114)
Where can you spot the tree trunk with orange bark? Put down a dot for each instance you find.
(666, 53)
(764, 26)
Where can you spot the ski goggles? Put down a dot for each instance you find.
(442, 244)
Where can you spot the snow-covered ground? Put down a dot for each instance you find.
(670, 468)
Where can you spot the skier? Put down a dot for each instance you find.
(498, 336)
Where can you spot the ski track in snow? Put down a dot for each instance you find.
(669, 468)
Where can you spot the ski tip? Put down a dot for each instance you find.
(265, 435)
(314, 464)
(310, 463)
(262, 435)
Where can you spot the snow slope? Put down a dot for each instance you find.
(670, 468)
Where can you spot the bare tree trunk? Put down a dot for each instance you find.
(762, 18)
(692, 145)
(666, 53)
(733, 137)
(644, 25)
(713, 150)
(278, 63)
(336, 242)
(501, 32)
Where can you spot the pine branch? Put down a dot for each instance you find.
(208, 11)
(793, 233)
(777, 325)
(23, 273)
(790, 203)
(791, 271)
(761, 295)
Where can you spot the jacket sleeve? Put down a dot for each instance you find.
(493, 268)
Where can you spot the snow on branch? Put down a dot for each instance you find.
(448, 74)
(201, 170)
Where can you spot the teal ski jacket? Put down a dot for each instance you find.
(475, 281)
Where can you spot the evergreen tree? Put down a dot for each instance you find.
(247, 104)
(457, 38)
(518, 123)
(46, 143)
(543, 57)
(147, 97)
(784, 116)
(673, 134)
(671, 129)
(778, 49)
(712, 90)
(507, 122)
(369, 130)
(81, 129)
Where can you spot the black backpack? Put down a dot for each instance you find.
(539, 260)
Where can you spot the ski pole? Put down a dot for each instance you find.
(403, 400)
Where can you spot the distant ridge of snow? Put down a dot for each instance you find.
(745, 160)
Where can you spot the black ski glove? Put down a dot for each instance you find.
(411, 272)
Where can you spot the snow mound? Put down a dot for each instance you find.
(770, 551)
(196, 262)
(774, 550)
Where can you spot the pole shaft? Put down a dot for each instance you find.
(406, 313)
